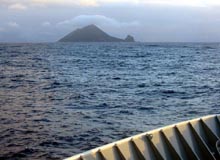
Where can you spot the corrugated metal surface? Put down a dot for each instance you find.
(189, 140)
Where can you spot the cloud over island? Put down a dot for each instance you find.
(83, 20)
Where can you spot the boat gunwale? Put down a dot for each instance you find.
(148, 133)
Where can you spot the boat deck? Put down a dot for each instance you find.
(194, 139)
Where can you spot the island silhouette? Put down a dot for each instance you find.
(92, 33)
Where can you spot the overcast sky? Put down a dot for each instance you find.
(146, 20)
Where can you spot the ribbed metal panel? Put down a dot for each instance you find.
(197, 139)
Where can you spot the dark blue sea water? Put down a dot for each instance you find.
(59, 99)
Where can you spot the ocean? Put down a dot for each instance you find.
(60, 99)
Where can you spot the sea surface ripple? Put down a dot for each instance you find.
(60, 99)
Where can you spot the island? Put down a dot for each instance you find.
(92, 33)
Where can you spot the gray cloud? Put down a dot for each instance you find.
(17, 6)
(2, 29)
(46, 24)
(13, 24)
(194, 3)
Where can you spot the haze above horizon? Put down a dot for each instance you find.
(146, 20)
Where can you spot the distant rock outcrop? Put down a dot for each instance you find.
(92, 33)
(129, 39)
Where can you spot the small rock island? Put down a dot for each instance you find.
(92, 33)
